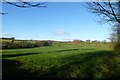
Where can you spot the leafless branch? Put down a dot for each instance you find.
(107, 10)
(23, 4)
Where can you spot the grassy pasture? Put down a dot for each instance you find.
(63, 60)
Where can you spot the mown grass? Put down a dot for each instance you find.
(62, 60)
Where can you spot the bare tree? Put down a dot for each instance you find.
(24, 4)
(109, 12)
(106, 10)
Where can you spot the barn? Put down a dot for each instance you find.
(76, 41)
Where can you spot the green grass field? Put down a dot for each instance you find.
(61, 60)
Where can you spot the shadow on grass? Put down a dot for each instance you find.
(101, 64)
(11, 70)
(25, 54)
(17, 55)
(63, 50)
(69, 50)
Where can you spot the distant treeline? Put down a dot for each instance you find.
(12, 43)
(24, 44)
(3, 38)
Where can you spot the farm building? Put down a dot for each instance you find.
(76, 41)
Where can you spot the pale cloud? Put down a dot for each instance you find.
(60, 33)
(72, 37)
(8, 35)
(11, 35)
(69, 39)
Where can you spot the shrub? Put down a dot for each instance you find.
(13, 45)
(42, 43)
(117, 48)
(24, 44)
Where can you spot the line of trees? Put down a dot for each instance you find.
(24, 44)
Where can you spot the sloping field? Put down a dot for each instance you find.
(61, 60)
